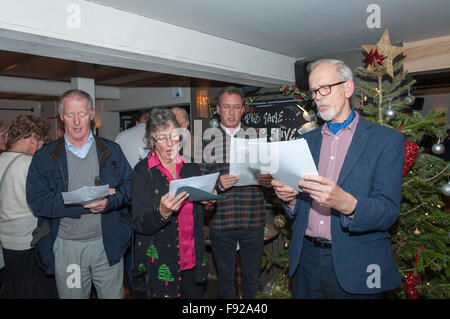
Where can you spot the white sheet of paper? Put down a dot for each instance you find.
(203, 182)
(286, 161)
(85, 194)
(241, 161)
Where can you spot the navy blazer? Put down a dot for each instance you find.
(372, 173)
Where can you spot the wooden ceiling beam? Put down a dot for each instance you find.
(22, 59)
(152, 81)
(116, 74)
(83, 70)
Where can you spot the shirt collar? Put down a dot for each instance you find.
(70, 146)
(153, 159)
(227, 130)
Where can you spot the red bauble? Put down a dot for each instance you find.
(411, 153)
(411, 282)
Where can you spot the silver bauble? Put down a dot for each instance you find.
(410, 99)
(390, 113)
(446, 189)
(438, 148)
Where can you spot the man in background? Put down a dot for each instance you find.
(132, 140)
(238, 219)
(187, 143)
(182, 116)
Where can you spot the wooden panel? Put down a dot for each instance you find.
(425, 55)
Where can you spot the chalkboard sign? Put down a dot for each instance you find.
(280, 120)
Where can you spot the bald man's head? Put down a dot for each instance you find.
(182, 116)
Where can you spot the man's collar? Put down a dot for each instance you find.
(227, 130)
(70, 145)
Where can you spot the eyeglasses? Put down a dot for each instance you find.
(323, 90)
(227, 107)
(165, 140)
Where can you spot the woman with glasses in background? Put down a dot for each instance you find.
(169, 250)
(22, 276)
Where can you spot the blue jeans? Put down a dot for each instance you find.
(316, 278)
(251, 243)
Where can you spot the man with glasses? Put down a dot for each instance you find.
(81, 244)
(340, 244)
(238, 220)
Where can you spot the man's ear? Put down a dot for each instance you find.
(93, 114)
(349, 88)
(33, 138)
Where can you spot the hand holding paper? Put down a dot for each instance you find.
(170, 203)
(285, 193)
(228, 181)
(265, 180)
(211, 202)
(98, 206)
(327, 193)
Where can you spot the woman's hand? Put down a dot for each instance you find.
(209, 203)
(170, 204)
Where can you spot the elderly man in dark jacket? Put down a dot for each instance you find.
(86, 242)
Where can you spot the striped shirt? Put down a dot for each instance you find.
(332, 155)
(243, 207)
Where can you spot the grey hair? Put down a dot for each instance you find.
(342, 69)
(160, 118)
(77, 94)
(3, 125)
(232, 90)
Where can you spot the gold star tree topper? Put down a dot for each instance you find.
(385, 48)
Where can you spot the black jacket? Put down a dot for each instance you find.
(151, 229)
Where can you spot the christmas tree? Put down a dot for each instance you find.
(152, 253)
(164, 274)
(420, 237)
